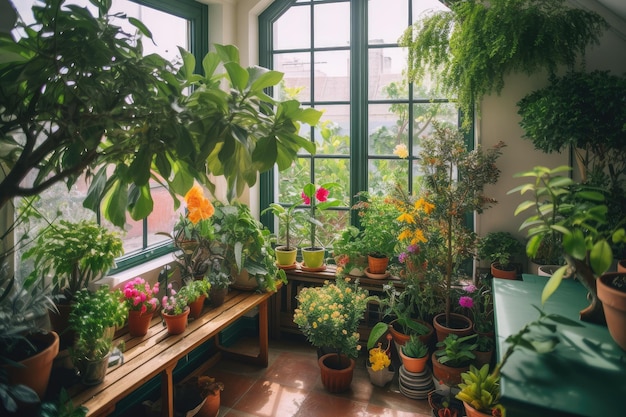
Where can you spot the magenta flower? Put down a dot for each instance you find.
(466, 302)
(471, 288)
(321, 194)
(305, 198)
(402, 257)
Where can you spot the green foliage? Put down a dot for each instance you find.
(58, 84)
(499, 247)
(94, 316)
(62, 407)
(471, 48)
(415, 348)
(246, 243)
(286, 215)
(194, 288)
(479, 388)
(457, 351)
(74, 254)
(578, 213)
(379, 224)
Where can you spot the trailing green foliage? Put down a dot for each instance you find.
(469, 49)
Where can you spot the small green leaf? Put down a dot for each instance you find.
(552, 284)
(601, 257)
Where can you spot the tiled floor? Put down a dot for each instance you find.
(291, 386)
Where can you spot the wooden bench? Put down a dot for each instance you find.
(157, 353)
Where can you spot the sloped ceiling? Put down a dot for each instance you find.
(616, 6)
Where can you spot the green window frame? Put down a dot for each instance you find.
(361, 157)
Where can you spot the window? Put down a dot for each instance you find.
(342, 57)
(173, 23)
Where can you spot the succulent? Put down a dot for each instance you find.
(415, 348)
(479, 388)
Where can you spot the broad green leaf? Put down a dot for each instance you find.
(143, 205)
(552, 284)
(263, 78)
(237, 74)
(210, 62)
(96, 189)
(114, 204)
(524, 206)
(590, 195)
(574, 244)
(141, 165)
(139, 25)
(601, 257)
(227, 53)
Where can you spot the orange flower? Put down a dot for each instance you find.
(198, 206)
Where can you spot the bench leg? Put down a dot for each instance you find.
(262, 359)
(167, 392)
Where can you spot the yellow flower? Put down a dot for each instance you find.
(401, 151)
(418, 237)
(405, 234)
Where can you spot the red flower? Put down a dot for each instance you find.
(321, 194)
(305, 198)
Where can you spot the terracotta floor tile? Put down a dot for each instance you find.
(294, 370)
(267, 399)
(319, 404)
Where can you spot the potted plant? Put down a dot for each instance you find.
(329, 317)
(380, 229)
(220, 280)
(457, 46)
(379, 365)
(500, 248)
(317, 199)
(578, 213)
(141, 301)
(480, 392)
(454, 357)
(196, 291)
(350, 251)
(175, 310)
(201, 393)
(478, 301)
(72, 254)
(245, 248)
(286, 253)
(454, 183)
(94, 317)
(414, 355)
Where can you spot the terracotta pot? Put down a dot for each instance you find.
(59, 320)
(35, 370)
(217, 296)
(436, 401)
(336, 374)
(377, 265)
(313, 257)
(472, 412)
(414, 365)
(447, 374)
(211, 406)
(196, 306)
(177, 323)
(482, 358)
(459, 325)
(498, 272)
(285, 257)
(138, 324)
(401, 338)
(621, 265)
(614, 302)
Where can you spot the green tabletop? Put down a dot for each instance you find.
(584, 376)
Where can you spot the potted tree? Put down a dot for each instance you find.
(500, 248)
(94, 317)
(579, 214)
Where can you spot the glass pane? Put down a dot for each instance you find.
(335, 170)
(295, 21)
(163, 217)
(332, 134)
(385, 79)
(384, 173)
(332, 76)
(388, 127)
(292, 180)
(297, 79)
(332, 25)
(424, 114)
(387, 19)
(422, 7)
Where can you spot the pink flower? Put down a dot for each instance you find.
(470, 288)
(466, 301)
(305, 198)
(321, 194)
(402, 257)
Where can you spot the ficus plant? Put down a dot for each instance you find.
(77, 96)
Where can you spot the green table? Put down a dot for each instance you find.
(584, 376)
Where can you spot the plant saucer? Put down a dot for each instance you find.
(307, 269)
(375, 276)
(287, 267)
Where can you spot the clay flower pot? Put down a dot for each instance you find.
(612, 292)
(176, 324)
(449, 375)
(414, 365)
(195, 307)
(336, 374)
(138, 324)
(459, 325)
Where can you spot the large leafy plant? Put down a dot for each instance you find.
(78, 96)
(473, 46)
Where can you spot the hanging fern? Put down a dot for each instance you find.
(468, 50)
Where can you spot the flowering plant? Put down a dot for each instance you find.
(175, 303)
(311, 194)
(380, 358)
(329, 315)
(478, 301)
(195, 233)
(139, 296)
